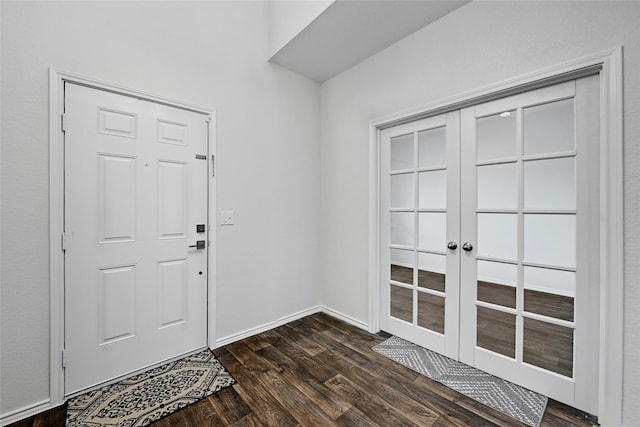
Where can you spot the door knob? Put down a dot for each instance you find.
(199, 244)
(467, 246)
(452, 245)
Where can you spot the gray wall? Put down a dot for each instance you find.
(479, 44)
(207, 53)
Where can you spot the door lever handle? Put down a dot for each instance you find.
(199, 244)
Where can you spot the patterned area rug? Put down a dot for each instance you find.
(510, 399)
(140, 400)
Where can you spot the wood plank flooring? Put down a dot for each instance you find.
(319, 371)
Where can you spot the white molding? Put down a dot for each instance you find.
(212, 232)
(505, 86)
(56, 196)
(266, 326)
(611, 241)
(611, 211)
(27, 411)
(374, 228)
(346, 319)
(56, 226)
(287, 319)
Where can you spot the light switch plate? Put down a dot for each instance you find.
(226, 217)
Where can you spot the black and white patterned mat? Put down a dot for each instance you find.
(142, 399)
(510, 399)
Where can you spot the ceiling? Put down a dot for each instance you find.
(349, 31)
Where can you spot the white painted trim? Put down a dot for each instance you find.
(611, 211)
(374, 228)
(267, 326)
(346, 319)
(56, 226)
(56, 196)
(287, 319)
(611, 241)
(212, 233)
(27, 411)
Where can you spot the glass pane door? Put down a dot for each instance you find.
(489, 237)
(419, 183)
(525, 221)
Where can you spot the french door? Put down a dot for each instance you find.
(135, 234)
(490, 237)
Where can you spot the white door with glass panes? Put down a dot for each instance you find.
(490, 237)
(420, 190)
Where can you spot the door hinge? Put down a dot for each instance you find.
(64, 241)
(64, 358)
(213, 165)
(63, 123)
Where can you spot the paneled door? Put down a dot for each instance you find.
(420, 190)
(510, 231)
(135, 234)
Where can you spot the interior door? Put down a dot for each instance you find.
(503, 214)
(530, 277)
(135, 208)
(420, 189)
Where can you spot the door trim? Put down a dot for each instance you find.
(57, 78)
(609, 63)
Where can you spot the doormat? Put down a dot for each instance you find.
(510, 399)
(142, 399)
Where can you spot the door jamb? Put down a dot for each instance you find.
(611, 353)
(57, 78)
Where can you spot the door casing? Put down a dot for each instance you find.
(608, 65)
(57, 78)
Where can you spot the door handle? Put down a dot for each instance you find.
(199, 244)
(467, 247)
(452, 245)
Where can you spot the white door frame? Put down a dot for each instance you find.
(57, 78)
(611, 203)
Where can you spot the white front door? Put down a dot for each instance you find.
(135, 206)
(508, 227)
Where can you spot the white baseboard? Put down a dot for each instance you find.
(22, 413)
(36, 408)
(284, 320)
(267, 326)
(347, 319)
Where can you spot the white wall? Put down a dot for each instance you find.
(477, 45)
(207, 53)
(288, 18)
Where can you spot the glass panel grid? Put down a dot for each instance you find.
(432, 147)
(496, 331)
(431, 312)
(496, 136)
(418, 202)
(545, 185)
(548, 346)
(402, 152)
(401, 303)
(549, 127)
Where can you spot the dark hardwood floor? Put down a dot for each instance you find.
(319, 371)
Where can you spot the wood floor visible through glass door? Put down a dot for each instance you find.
(547, 346)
